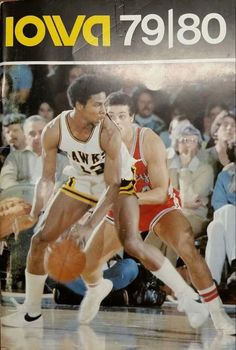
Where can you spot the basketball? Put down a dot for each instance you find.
(64, 261)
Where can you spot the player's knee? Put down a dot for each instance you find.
(38, 244)
(186, 248)
(131, 246)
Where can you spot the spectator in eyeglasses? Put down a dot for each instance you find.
(192, 177)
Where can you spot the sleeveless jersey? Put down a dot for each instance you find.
(86, 157)
(142, 183)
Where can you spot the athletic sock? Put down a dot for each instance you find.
(168, 274)
(93, 285)
(34, 292)
(211, 297)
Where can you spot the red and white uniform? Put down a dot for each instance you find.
(149, 213)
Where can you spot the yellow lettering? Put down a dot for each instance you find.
(87, 30)
(52, 30)
(9, 31)
(58, 31)
(39, 36)
(69, 39)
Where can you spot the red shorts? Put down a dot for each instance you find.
(150, 214)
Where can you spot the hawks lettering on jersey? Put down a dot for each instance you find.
(85, 160)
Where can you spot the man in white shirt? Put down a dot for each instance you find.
(24, 166)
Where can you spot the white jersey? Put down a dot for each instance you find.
(87, 160)
(86, 157)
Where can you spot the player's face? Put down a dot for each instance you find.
(33, 133)
(14, 135)
(121, 116)
(94, 110)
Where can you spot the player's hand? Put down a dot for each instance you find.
(81, 233)
(185, 158)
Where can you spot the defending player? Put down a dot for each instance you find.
(93, 145)
(160, 213)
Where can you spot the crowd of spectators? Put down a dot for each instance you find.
(200, 151)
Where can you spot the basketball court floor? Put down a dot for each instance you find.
(116, 329)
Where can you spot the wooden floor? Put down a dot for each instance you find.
(116, 329)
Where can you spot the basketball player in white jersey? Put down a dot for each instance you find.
(162, 217)
(98, 159)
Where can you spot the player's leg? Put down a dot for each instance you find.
(102, 245)
(127, 221)
(174, 229)
(62, 212)
(59, 216)
(153, 259)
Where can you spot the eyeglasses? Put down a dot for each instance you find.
(186, 140)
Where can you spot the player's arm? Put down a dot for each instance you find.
(45, 186)
(111, 144)
(155, 156)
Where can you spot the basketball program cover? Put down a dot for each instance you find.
(174, 61)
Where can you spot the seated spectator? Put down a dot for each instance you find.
(192, 177)
(178, 123)
(204, 124)
(223, 131)
(46, 110)
(13, 135)
(144, 104)
(25, 166)
(221, 231)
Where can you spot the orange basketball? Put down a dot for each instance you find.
(64, 261)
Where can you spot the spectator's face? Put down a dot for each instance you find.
(94, 110)
(121, 116)
(226, 131)
(46, 111)
(14, 136)
(33, 131)
(188, 143)
(145, 105)
(175, 130)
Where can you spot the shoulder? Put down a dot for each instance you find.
(150, 137)
(51, 132)
(230, 168)
(153, 146)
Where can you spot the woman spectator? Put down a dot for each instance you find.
(221, 231)
(192, 177)
(46, 110)
(223, 131)
(204, 124)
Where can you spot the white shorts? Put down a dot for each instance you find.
(87, 189)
